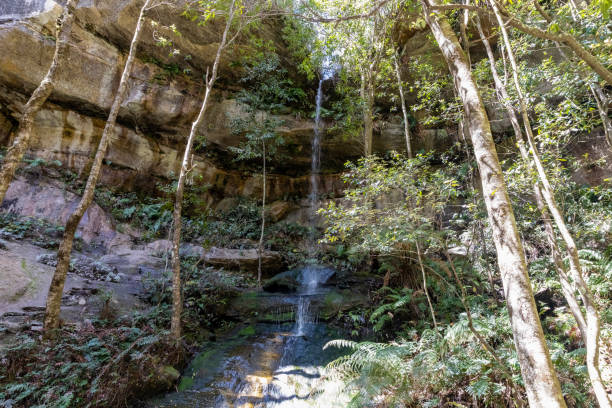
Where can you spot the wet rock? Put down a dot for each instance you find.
(339, 301)
(244, 260)
(286, 282)
(3, 245)
(261, 306)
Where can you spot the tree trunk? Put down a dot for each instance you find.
(56, 289)
(504, 98)
(260, 247)
(463, 22)
(177, 302)
(404, 110)
(541, 382)
(603, 103)
(592, 315)
(367, 96)
(562, 37)
(21, 143)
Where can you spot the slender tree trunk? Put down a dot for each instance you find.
(541, 382)
(21, 143)
(602, 107)
(504, 98)
(177, 302)
(367, 96)
(463, 22)
(592, 315)
(260, 247)
(56, 289)
(404, 110)
(431, 309)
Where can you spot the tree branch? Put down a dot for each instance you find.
(562, 37)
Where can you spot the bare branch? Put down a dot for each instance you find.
(321, 19)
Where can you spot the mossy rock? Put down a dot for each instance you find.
(282, 317)
(247, 331)
(339, 301)
(168, 375)
(254, 305)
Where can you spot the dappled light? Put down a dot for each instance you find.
(306, 203)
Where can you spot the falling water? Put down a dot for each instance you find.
(281, 392)
(315, 168)
(310, 275)
(278, 369)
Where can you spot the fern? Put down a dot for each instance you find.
(341, 343)
(398, 299)
(597, 268)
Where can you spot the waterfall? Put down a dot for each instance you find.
(310, 276)
(282, 366)
(315, 169)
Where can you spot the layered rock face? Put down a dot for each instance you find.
(164, 96)
(155, 116)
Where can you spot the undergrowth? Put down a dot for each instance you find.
(98, 365)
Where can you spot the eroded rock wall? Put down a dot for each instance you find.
(155, 117)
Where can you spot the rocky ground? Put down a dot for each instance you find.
(107, 271)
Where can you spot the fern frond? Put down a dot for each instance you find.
(341, 343)
(590, 255)
(380, 311)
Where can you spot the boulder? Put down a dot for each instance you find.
(44, 200)
(163, 246)
(192, 251)
(167, 375)
(244, 260)
(159, 247)
(286, 282)
(278, 210)
(135, 261)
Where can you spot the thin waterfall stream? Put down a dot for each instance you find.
(282, 364)
(315, 170)
(282, 392)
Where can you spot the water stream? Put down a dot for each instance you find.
(315, 168)
(272, 365)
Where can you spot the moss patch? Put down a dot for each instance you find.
(247, 331)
